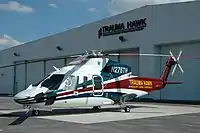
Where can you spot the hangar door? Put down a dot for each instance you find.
(20, 77)
(189, 90)
(6, 80)
(35, 72)
(132, 61)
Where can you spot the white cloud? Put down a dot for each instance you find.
(7, 41)
(53, 5)
(15, 6)
(92, 9)
(120, 6)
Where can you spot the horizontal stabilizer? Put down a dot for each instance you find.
(168, 82)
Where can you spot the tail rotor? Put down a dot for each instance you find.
(177, 62)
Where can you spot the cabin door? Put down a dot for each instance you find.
(97, 81)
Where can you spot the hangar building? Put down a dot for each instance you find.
(149, 29)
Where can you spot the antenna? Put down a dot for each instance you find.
(57, 69)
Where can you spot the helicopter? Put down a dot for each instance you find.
(93, 80)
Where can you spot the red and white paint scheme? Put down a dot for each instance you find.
(92, 80)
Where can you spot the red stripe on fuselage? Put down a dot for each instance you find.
(136, 83)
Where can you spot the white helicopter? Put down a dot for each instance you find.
(92, 80)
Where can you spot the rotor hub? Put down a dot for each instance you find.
(93, 53)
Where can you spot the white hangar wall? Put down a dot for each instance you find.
(168, 28)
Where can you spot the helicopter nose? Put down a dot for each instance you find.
(21, 98)
(18, 96)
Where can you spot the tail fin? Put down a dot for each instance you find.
(165, 74)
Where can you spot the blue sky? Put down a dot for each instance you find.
(26, 20)
(42, 17)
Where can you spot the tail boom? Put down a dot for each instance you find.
(148, 84)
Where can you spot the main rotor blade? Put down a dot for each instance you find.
(74, 56)
(75, 68)
(154, 55)
(128, 54)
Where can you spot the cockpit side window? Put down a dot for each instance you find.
(71, 82)
(85, 79)
(53, 82)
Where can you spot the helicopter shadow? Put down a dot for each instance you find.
(73, 111)
(23, 115)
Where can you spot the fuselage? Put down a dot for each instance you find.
(95, 82)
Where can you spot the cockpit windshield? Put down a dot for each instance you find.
(41, 80)
(53, 82)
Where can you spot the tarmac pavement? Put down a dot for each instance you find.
(143, 118)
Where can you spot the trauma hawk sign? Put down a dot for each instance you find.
(129, 26)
